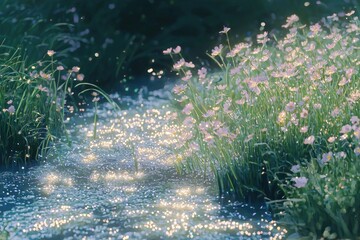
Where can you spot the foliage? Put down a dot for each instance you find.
(275, 105)
(322, 195)
(96, 91)
(33, 103)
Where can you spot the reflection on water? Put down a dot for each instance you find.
(92, 189)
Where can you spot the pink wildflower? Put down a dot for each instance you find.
(294, 120)
(315, 29)
(209, 113)
(231, 54)
(167, 51)
(217, 50)
(290, 107)
(345, 129)
(352, 28)
(202, 73)
(300, 181)
(60, 68)
(290, 21)
(357, 133)
(240, 102)
(357, 151)
(44, 75)
(310, 140)
(262, 38)
(295, 168)
(187, 76)
(188, 108)
(343, 82)
(216, 124)
(179, 64)
(177, 50)
(189, 122)
(350, 13)
(179, 89)
(75, 69)
(331, 139)
(349, 72)
(80, 77)
(203, 126)
(304, 113)
(326, 157)
(208, 139)
(225, 30)
(254, 87)
(50, 53)
(343, 137)
(241, 46)
(183, 98)
(335, 112)
(189, 64)
(222, 132)
(304, 129)
(226, 106)
(354, 120)
(11, 109)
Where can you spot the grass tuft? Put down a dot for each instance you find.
(33, 103)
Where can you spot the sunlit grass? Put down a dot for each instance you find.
(275, 104)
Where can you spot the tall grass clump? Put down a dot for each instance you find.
(322, 195)
(33, 103)
(271, 105)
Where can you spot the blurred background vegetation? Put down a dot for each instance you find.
(115, 42)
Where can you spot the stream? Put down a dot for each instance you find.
(123, 185)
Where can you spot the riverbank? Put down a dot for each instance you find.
(280, 121)
(124, 185)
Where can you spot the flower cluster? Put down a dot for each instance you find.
(34, 105)
(275, 106)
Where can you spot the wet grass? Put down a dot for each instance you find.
(37, 83)
(280, 120)
(33, 101)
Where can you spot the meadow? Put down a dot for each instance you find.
(279, 120)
